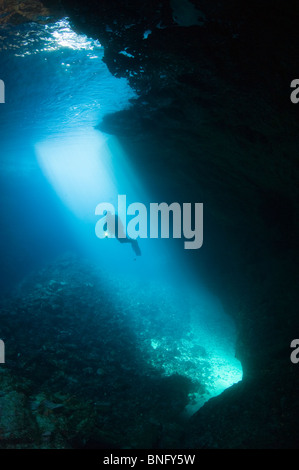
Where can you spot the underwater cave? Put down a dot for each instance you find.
(131, 131)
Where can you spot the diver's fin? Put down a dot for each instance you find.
(135, 247)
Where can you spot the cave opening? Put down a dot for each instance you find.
(167, 100)
(66, 167)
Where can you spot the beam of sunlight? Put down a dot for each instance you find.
(80, 170)
(85, 167)
(90, 168)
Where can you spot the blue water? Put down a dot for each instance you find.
(55, 169)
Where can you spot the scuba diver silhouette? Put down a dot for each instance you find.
(113, 220)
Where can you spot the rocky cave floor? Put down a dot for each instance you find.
(88, 368)
(84, 369)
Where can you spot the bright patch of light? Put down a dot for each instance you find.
(85, 170)
(79, 170)
(62, 35)
(204, 352)
(216, 369)
(155, 343)
(50, 37)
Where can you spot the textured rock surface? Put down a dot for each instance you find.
(80, 369)
(17, 11)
